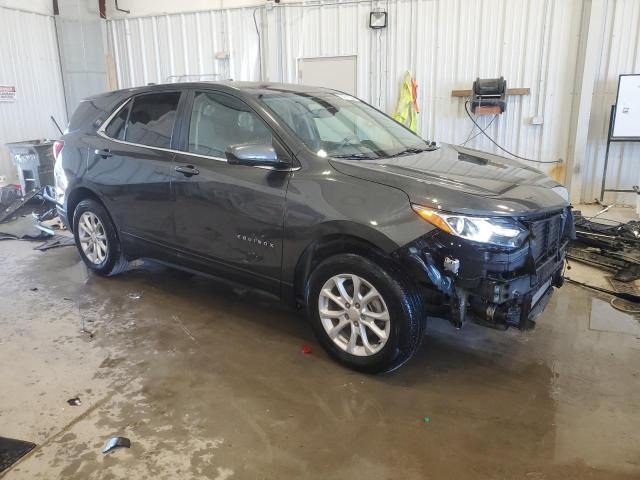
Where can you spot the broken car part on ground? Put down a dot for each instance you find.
(612, 246)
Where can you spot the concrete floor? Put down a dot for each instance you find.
(208, 381)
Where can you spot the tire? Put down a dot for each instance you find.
(398, 296)
(109, 262)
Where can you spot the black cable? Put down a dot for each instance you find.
(629, 297)
(255, 22)
(473, 129)
(469, 137)
(466, 104)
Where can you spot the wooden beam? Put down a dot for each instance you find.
(510, 91)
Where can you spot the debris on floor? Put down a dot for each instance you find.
(74, 402)
(135, 295)
(83, 328)
(116, 442)
(9, 194)
(426, 419)
(32, 217)
(57, 241)
(22, 228)
(17, 207)
(609, 245)
(306, 349)
(12, 450)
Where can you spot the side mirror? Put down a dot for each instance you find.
(254, 156)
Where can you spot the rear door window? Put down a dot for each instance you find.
(219, 120)
(152, 119)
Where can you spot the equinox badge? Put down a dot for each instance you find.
(255, 240)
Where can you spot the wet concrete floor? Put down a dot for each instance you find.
(209, 382)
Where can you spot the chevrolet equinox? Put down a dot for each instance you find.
(317, 197)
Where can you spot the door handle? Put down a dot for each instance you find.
(104, 153)
(187, 170)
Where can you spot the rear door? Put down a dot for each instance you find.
(131, 165)
(229, 216)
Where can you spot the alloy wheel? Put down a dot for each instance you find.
(93, 238)
(354, 315)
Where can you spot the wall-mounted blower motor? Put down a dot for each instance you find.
(489, 96)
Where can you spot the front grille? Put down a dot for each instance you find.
(545, 236)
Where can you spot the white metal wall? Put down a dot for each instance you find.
(166, 47)
(620, 54)
(30, 62)
(446, 44)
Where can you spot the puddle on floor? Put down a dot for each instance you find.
(605, 318)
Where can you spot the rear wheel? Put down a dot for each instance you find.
(97, 240)
(367, 315)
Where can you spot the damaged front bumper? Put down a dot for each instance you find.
(494, 286)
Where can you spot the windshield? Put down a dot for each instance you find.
(341, 126)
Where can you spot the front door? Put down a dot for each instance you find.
(228, 216)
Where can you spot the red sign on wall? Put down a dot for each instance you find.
(7, 93)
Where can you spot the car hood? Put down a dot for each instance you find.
(462, 180)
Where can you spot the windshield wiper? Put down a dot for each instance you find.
(358, 156)
(408, 151)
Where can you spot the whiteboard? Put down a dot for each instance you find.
(338, 73)
(627, 117)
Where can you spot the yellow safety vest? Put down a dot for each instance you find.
(407, 108)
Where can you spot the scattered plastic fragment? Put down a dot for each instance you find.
(55, 242)
(75, 401)
(135, 295)
(426, 419)
(34, 289)
(88, 332)
(306, 348)
(116, 442)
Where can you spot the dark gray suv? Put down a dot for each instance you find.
(314, 196)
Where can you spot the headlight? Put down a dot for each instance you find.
(502, 231)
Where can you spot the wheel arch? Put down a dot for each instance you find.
(331, 244)
(76, 196)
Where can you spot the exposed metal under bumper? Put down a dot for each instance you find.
(493, 288)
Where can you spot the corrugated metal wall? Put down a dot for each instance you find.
(30, 62)
(447, 44)
(620, 54)
(180, 46)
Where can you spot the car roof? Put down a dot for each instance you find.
(247, 88)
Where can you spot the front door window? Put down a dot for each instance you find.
(218, 121)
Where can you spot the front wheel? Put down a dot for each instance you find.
(367, 315)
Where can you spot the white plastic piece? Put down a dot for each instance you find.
(452, 265)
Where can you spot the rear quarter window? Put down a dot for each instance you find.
(83, 116)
